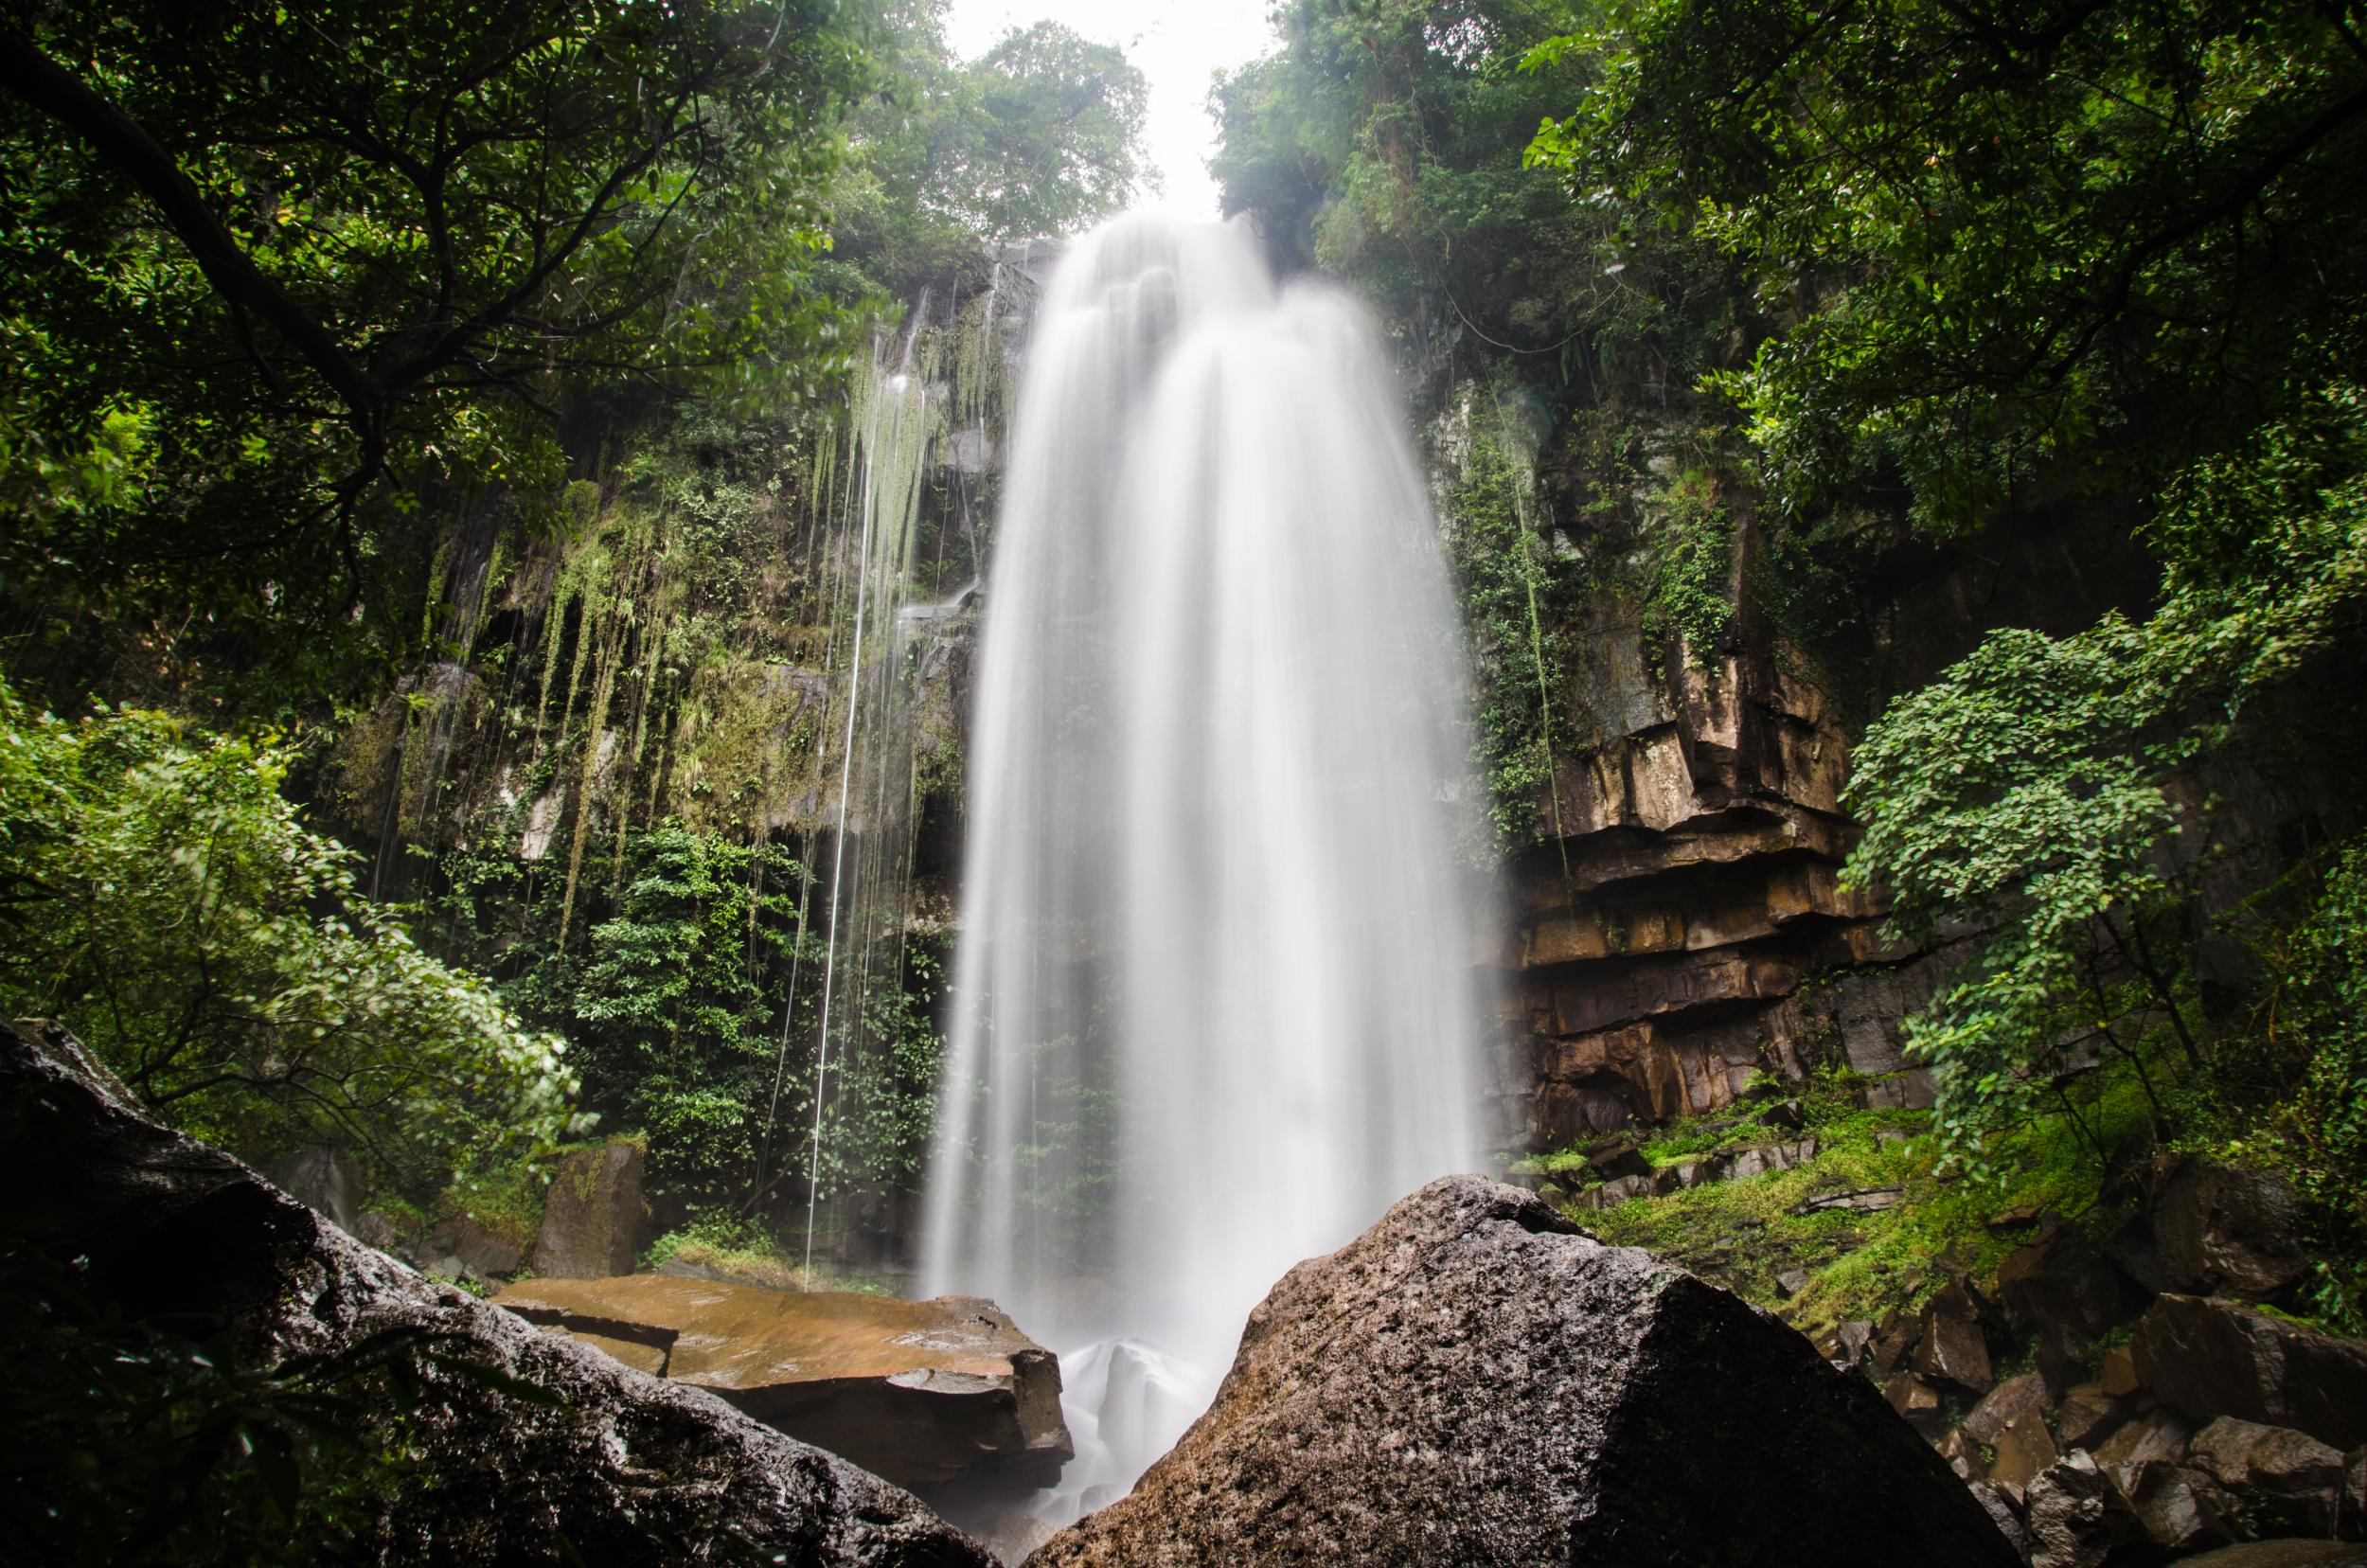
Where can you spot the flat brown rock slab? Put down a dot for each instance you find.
(919, 1392)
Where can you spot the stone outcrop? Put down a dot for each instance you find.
(2209, 1359)
(593, 1215)
(1663, 940)
(919, 1392)
(1681, 925)
(1474, 1381)
(618, 1464)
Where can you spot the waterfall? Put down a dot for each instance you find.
(1215, 1005)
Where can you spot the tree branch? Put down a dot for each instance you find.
(125, 144)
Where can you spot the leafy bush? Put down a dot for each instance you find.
(2026, 791)
(160, 896)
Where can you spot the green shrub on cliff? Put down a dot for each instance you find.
(2028, 791)
(159, 895)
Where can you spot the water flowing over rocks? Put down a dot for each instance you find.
(616, 1463)
(1474, 1381)
(918, 1392)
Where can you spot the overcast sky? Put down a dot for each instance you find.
(1176, 44)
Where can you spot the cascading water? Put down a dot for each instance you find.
(1216, 1001)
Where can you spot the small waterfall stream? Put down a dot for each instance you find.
(1216, 1007)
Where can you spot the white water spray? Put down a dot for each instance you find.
(1216, 1008)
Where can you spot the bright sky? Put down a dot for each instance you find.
(1176, 44)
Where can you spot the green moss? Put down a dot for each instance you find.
(1743, 1234)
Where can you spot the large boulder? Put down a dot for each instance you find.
(520, 1443)
(2209, 1359)
(593, 1215)
(2268, 1478)
(921, 1392)
(2220, 1230)
(1954, 1348)
(2062, 1280)
(1475, 1380)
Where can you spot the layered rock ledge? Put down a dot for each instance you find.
(1475, 1380)
(919, 1392)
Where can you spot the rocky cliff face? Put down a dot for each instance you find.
(1683, 926)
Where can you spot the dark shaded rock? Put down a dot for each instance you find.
(479, 1253)
(2064, 1279)
(1701, 1172)
(2118, 1372)
(2068, 1514)
(2283, 1554)
(2216, 1229)
(2209, 1359)
(172, 1228)
(2145, 1462)
(2004, 1515)
(2025, 1449)
(2088, 1415)
(1846, 1344)
(1775, 1157)
(1951, 1348)
(1962, 1455)
(2061, 1356)
(2156, 1438)
(1893, 1344)
(1914, 1090)
(1472, 1381)
(1917, 1402)
(593, 1215)
(2268, 1478)
(2133, 1252)
(919, 1392)
(2019, 1216)
(2003, 1405)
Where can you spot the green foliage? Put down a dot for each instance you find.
(1998, 239)
(670, 998)
(1383, 141)
(1516, 598)
(1040, 136)
(2026, 790)
(275, 297)
(735, 1247)
(2308, 1046)
(127, 1443)
(1689, 597)
(160, 896)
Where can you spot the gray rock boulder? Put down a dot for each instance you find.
(593, 1215)
(1475, 1381)
(2068, 1514)
(576, 1447)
